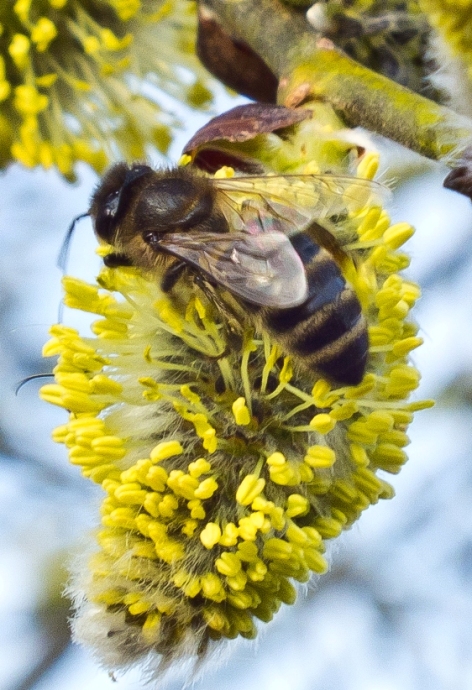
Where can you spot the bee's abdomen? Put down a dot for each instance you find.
(328, 331)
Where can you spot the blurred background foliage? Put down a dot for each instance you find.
(395, 610)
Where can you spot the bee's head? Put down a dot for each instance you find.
(112, 197)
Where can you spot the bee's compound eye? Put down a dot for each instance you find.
(111, 203)
(104, 222)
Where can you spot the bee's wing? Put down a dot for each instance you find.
(262, 268)
(290, 203)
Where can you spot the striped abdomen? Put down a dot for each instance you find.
(328, 332)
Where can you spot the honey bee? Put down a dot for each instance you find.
(260, 238)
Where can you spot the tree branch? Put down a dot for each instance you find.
(309, 66)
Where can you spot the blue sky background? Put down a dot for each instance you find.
(395, 611)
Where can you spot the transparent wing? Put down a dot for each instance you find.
(290, 203)
(262, 268)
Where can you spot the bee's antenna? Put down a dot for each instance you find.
(64, 252)
(31, 378)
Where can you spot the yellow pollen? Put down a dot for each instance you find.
(19, 50)
(166, 449)
(43, 33)
(323, 423)
(249, 489)
(210, 535)
(241, 412)
(206, 488)
(199, 467)
(297, 505)
(320, 456)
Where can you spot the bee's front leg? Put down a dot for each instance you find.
(172, 275)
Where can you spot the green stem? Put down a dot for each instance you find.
(309, 66)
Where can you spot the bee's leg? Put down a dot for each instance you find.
(115, 259)
(230, 320)
(172, 275)
(212, 296)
